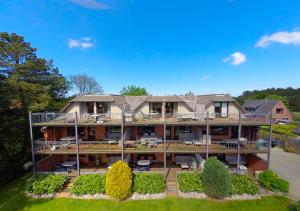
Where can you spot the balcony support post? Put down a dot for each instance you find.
(270, 140)
(77, 144)
(207, 133)
(238, 142)
(165, 147)
(32, 145)
(122, 135)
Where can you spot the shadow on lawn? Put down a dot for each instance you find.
(13, 196)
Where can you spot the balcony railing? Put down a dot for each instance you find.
(95, 118)
(173, 146)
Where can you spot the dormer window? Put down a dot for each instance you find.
(155, 108)
(221, 109)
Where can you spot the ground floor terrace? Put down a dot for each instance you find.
(169, 165)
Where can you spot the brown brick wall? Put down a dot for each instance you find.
(256, 164)
(285, 114)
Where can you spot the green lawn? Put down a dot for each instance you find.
(296, 116)
(12, 198)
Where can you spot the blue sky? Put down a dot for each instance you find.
(169, 47)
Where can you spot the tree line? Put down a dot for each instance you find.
(29, 82)
(290, 96)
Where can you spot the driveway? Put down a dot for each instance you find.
(286, 165)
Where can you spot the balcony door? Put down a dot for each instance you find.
(221, 109)
(155, 108)
(171, 108)
(103, 107)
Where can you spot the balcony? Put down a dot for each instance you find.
(172, 146)
(190, 118)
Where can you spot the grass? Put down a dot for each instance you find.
(296, 116)
(12, 197)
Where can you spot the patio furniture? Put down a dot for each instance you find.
(243, 170)
(68, 138)
(197, 142)
(65, 145)
(129, 144)
(145, 116)
(69, 164)
(184, 166)
(112, 142)
(144, 141)
(152, 142)
(188, 142)
(143, 165)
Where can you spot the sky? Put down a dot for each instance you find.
(169, 47)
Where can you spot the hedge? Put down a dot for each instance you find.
(287, 130)
(190, 182)
(298, 206)
(148, 183)
(273, 182)
(47, 184)
(242, 185)
(216, 179)
(119, 181)
(89, 184)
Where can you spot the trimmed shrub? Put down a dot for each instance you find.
(89, 184)
(190, 182)
(148, 183)
(47, 184)
(243, 185)
(273, 182)
(216, 179)
(298, 206)
(119, 181)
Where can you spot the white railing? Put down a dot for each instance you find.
(51, 117)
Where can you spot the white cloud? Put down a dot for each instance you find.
(91, 4)
(282, 37)
(85, 42)
(236, 58)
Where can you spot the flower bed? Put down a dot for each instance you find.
(242, 185)
(273, 182)
(148, 183)
(47, 184)
(190, 182)
(89, 184)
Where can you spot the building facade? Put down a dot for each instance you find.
(168, 131)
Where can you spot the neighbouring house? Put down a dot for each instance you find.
(151, 132)
(264, 107)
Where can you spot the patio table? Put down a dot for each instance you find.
(143, 162)
(69, 164)
(68, 138)
(188, 142)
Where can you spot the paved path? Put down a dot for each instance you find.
(286, 165)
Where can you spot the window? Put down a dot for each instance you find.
(71, 131)
(279, 110)
(170, 107)
(145, 129)
(219, 130)
(103, 107)
(92, 133)
(184, 129)
(114, 129)
(155, 107)
(221, 109)
(90, 107)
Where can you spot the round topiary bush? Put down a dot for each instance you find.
(119, 181)
(216, 179)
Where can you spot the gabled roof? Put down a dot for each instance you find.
(260, 106)
(93, 98)
(132, 103)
